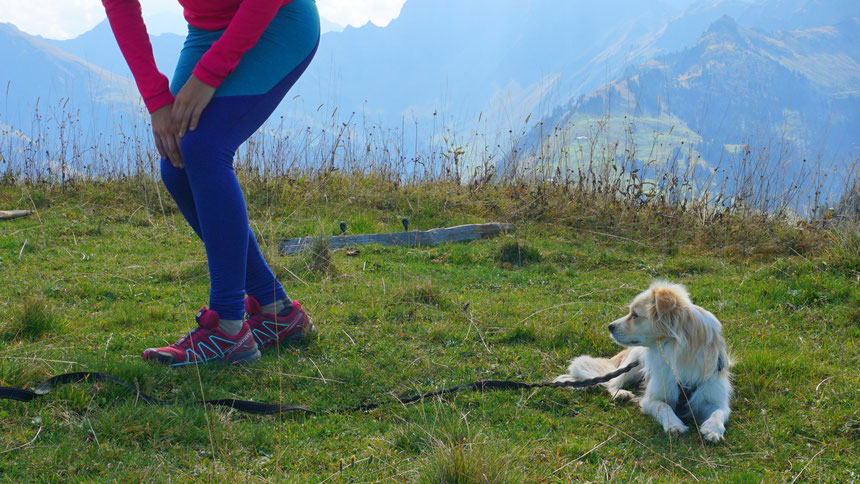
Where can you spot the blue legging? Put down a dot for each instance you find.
(209, 196)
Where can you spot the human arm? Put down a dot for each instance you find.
(126, 21)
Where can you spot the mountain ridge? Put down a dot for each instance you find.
(71, 79)
(487, 65)
(731, 88)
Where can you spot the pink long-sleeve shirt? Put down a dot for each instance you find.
(244, 21)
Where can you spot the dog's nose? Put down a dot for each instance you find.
(612, 328)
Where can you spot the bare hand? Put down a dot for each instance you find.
(189, 104)
(166, 135)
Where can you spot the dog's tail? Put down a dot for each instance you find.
(585, 367)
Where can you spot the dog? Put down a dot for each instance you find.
(683, 361)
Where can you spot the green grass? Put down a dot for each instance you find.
(516, 254)
(117, 270)
(33, 320)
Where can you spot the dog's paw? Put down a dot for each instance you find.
(713, 431)
(623, 395)
(567, 377)
(674, 425)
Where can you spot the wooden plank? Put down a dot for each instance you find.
(415, 238)
(13, 214)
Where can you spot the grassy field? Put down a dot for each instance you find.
(104, 270)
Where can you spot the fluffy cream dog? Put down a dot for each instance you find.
(683, 361)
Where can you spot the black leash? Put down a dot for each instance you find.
(258, 408)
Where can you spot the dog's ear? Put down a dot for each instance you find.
(665, 301)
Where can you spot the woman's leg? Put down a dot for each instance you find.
(209, 196)
(220, 205)
(220, 208)
(260, 281)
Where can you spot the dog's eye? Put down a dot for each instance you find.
(633, 314)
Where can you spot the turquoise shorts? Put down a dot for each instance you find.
(288, 40)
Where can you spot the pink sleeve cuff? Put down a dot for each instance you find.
(206, 75)
(158, 101)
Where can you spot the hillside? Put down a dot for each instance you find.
(772, 15)
(60, 113)
(61, 81)
(500, 58)
(99, 48)
(504, 60)
(791, 90)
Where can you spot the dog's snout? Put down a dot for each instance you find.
(612, 327)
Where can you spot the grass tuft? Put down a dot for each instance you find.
(423, 292)
(844, 253)
(183, 271)
(516, 254)
(467, 462)
(853, 312)
(320, 258)
(520, 335)
(34, 319)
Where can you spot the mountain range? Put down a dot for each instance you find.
(768, 66)
(736, 87)
(42, 82)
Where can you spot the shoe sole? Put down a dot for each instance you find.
(246, 357)
(237, 359)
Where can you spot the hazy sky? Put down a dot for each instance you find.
(62, 19)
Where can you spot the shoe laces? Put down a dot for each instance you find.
(189, 335)
(181, 341)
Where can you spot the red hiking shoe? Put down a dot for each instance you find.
(206, 343)
(269, 329)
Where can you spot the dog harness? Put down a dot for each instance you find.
(682, 405)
